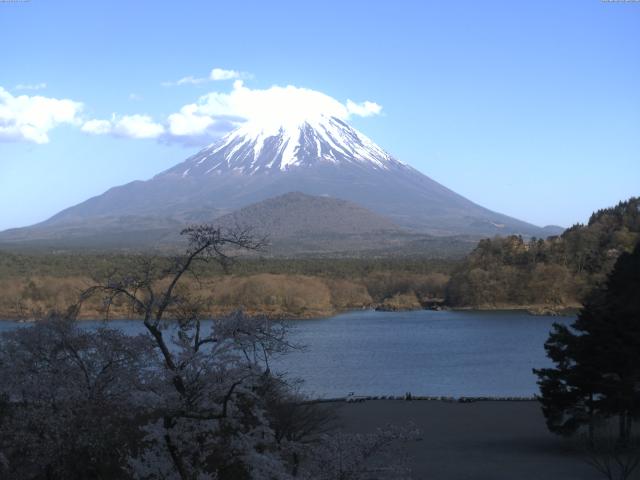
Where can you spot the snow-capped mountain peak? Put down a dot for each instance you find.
(260, 147)
(313, 155)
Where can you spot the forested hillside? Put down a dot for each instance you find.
(554, 272)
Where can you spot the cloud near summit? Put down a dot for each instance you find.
(30, 118)
(273, 104)
(217, 113)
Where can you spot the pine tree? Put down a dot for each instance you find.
(597, 359)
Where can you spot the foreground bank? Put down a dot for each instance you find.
(497, 440)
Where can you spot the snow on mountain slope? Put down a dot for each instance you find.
(263, 147)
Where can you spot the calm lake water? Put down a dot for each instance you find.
(423, 352)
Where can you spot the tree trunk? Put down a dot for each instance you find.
(592, 420)
(173, 451)
(623, 428)
(296, 464)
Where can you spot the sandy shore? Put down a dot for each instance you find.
(490, 440)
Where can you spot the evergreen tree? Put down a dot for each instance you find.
(597, 359)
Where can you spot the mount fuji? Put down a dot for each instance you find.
(320, 156)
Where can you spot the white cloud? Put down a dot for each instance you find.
(34, 86)
(97, 127)
(185, 81)
(222, 74)
(188, 121)
(135, 97)
(129, 126)
(217, 113)
(272, 105)
(364, 109)
(216, 74)
(29, 118)
(138, 126)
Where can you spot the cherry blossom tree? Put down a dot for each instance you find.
(191, 398)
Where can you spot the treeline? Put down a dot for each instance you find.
(557, 271)
(32, 285)
(71, 264)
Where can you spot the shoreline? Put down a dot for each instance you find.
(419, 398)
(533, 310)
(540, 309)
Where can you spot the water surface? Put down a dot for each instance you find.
(443, 353)
(424, 352)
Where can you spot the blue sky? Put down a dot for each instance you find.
(528, 108)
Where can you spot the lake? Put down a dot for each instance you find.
(445, 353)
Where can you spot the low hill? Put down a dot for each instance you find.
(298, 224)
(297, 215)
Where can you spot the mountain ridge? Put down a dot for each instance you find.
(322, 157)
